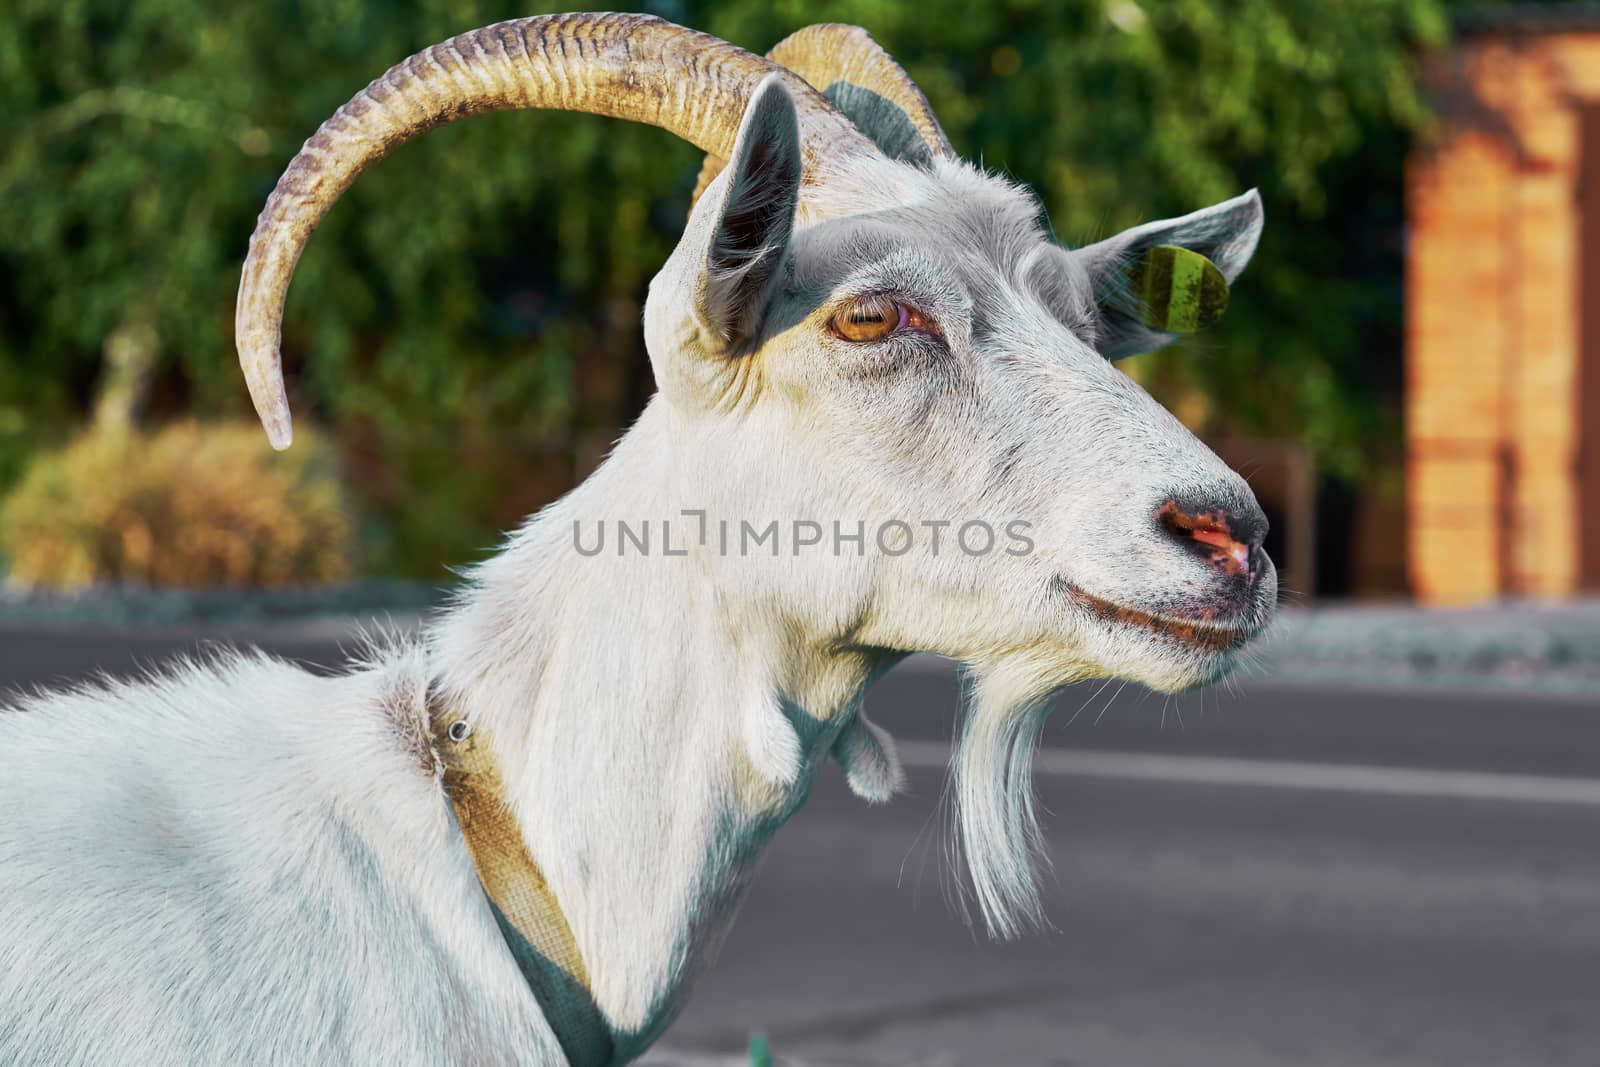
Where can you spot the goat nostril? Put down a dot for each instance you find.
(1211, 534)
(1227, 548)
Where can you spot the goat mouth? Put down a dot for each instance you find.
(1201, 636)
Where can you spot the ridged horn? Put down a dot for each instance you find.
(864, 82)
(634, 67)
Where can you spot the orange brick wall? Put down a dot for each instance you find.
(1493, 417)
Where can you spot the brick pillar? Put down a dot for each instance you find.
(1542, 380)
(1495, 388)
(1458, 332)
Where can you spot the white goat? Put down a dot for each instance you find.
(516, 839)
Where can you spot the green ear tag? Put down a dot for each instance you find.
(1179, 291)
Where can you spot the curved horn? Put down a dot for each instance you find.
(627, 66)
(864, 82)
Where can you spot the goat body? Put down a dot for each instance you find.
(241, 863)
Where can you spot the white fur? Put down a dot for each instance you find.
(871, 765)
(770, 741)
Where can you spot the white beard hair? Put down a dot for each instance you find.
(998, 829)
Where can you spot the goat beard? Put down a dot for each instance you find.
(998, 829)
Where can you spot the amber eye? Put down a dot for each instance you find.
(870, 318)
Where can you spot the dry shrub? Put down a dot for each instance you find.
(192, 504)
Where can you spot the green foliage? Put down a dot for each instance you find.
(483, 285)
(452, 291)
(192, 505)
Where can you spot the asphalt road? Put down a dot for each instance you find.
(1279, 875)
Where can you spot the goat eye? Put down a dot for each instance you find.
(870, 318)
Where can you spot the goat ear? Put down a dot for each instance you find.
(753, 217)
(708, 302)
(1164, 278)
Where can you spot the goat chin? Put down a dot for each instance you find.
(1006, 702)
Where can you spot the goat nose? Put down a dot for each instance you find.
(1226, 535)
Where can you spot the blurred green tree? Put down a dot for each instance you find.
(466, 319)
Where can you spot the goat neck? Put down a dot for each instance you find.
(653, 729)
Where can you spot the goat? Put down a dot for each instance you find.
(516, 837)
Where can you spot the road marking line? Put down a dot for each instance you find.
(1289, 774)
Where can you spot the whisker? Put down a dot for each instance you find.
(917, 840)
(1110, 702)
(1087, 702)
